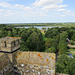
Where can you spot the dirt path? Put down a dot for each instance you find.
(73, 46)
(72, 51)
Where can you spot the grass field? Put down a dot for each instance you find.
(72, 49)
(44, 38)
(43, 34)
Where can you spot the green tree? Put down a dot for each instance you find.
(70, 33)
(62, 64)
(51, 50)
(63, 36)
(14, 32)
(62, 47)
(23, 46)
(33, 42)
(51, 43)
(62, 42)
(73, 37)
(3, 33)
(72, 66)
(65, 64)
(51, 32)
(9, 34)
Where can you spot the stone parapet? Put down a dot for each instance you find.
(37, 61)
(9, 44)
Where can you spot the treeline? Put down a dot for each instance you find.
(39, 24)
(32, 38)
(2, 25)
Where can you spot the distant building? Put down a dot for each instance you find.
(68, 41)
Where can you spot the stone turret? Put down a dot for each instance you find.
(9, 44)
(8, 50)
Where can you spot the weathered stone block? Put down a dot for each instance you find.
(2, 44)
(16, 42)
(9, 46)
(38, 61)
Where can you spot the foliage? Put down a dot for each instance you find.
(34, 43)
(23, 46)
(51, 43)
(54, 37)
(62, 47)
(65, 64)
(62, 42)
(9, 34)
(51, 50)
(72, 66)
(73, 37)
(51, 32)
(62, 64)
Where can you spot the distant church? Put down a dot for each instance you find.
(15, 62)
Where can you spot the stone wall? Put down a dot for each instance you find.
(37, 61)
(5, 64)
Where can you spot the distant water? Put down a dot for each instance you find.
(40, 27)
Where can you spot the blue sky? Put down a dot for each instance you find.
(37, 11)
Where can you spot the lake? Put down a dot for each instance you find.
(40, 27)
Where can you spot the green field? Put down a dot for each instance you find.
(43, 34)
(44, 38)
(72, 49)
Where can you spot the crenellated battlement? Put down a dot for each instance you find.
(9, 44)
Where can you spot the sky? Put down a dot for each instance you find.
(37, 11)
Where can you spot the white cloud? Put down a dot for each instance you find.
(22, 7)
(9, 13)
(49, 4)
(61, 6)
(46, 2)
(4, 4)
(1, 10)
(61, 9)
(53, 7)
(16, 6)
(67, 12)
(34, 13)
(19, 10)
